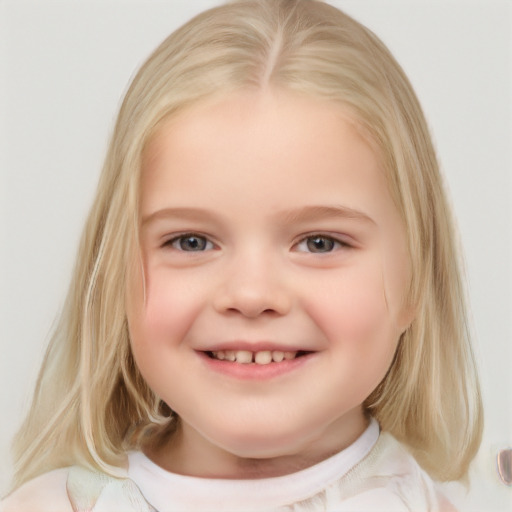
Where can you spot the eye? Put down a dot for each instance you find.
(320, 244)
(190, 242)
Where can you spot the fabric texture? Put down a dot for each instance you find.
(376, 473)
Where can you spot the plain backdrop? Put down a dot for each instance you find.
(64, 67)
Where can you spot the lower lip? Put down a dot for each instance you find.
(254, 371)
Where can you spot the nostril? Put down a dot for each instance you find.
(253, 312)
(252, 299)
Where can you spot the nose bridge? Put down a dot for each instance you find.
(253, 282)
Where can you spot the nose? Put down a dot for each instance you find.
(252, 287)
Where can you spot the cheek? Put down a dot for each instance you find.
(160, 311)
(353, 307)
(359, 328)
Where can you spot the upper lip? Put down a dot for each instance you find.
(256, 346)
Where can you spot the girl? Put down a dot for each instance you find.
(267, 309)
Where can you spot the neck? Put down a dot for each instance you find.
(188, 453)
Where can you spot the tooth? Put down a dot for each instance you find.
(263, 357)
(290, 355)
(243, 356)
(277, 356)
(230, 355)
(220, 355)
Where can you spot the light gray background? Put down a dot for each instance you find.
(64, 66)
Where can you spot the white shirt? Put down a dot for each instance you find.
(174, 493)
(375, 473)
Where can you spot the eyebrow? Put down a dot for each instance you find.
(313, 213)
(179, 212)
(304, 214)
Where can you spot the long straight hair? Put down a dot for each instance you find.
(91, 404)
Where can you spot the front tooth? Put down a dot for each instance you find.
(277, 356)
(230, 355)
(243, 356)
(290, 355)
(263, 357)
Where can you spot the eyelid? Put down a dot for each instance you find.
(175, 237)
(339, 240)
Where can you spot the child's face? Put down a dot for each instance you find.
(267, 229)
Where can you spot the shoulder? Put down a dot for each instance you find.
(391, 478)
(74, 489)
(392, 456)
(46, 493)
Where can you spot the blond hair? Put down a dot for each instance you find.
(91, 403)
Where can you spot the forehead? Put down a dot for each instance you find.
(271, 148)
(251, 111)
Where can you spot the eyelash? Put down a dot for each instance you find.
(335, 243)
(205, 244)
(173, 242)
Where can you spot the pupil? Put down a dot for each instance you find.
(320, 244)
(193, 243)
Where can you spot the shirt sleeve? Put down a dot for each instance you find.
(46, 493)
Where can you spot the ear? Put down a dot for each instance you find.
(406, 316)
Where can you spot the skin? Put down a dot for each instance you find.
(256, 177)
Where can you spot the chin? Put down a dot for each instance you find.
(264, 443)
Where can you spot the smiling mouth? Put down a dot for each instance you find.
(262, 357)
